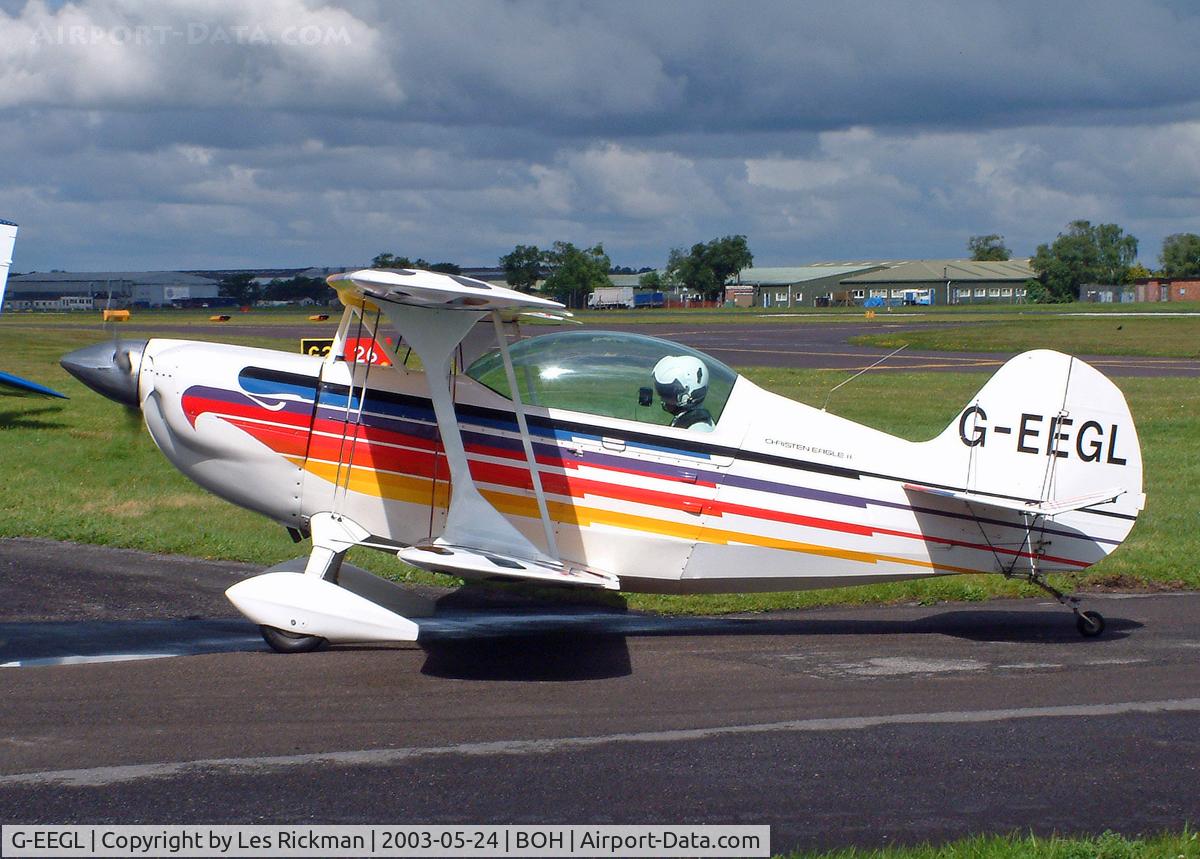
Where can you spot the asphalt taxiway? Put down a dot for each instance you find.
(838, 726)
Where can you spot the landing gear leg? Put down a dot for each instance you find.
(333, 535)
(1089, 623)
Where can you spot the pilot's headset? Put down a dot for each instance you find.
(681, 382)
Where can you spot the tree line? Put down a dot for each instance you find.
(1092, 253)
(570, 273)
(246, 290)
(1083, 253)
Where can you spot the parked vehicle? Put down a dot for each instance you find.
(611, 297)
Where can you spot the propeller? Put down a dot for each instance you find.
(109, 368)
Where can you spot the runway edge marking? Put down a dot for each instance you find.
(108, 775)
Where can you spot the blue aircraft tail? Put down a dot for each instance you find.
(8, 235)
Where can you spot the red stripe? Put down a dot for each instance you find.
(368, 453)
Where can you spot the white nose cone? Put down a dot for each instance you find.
(295, 602)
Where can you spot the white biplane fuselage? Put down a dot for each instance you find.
(1040, 472)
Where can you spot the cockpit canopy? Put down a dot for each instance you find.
(610, 373)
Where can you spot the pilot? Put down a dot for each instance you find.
(682, 383)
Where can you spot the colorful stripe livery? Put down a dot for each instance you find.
(688, 490)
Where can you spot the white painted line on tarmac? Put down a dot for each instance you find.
(109, 775)
(42, 661)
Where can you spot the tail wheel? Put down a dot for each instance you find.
(283, 641)
(1089, 623)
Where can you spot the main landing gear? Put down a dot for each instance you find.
(282, 641)
(1089, 623)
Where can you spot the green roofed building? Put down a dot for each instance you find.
(802, 285)
(943, 281)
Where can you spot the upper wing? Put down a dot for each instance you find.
(431, 289)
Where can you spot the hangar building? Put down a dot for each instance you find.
(50, 290)
(944, 281)
(804, 285)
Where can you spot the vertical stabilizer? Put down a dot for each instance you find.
(8, 237)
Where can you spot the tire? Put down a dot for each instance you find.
(282, 641)
(1089, 623)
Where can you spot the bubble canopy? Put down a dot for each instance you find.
(607, 373)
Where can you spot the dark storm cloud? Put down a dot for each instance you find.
(210, 133)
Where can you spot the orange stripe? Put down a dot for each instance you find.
(417, 491)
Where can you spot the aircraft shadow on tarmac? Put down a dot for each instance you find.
(603, 652)
(541, 657)
(553, 645)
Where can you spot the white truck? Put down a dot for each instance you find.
(607, 297)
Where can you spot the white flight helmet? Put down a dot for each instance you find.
(681, 381)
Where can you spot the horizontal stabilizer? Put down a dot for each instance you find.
(475, 563)
(1037, 508)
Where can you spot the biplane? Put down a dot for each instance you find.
(8, 237)
(609, 460)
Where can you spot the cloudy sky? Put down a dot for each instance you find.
(207, 133)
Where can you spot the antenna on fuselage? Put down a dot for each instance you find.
(825, 404)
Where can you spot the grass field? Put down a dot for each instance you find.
(1152, 335)
(1185, 845)
(87, 471)
(700, 316)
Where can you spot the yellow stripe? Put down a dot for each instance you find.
(416, 490)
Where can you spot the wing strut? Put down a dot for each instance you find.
(526, 441)
(434, 333)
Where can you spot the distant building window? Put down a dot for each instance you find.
(897, 293)
(980, 292)
(879, 293)
(962, 291)
(859, 293)
(994, 292)
(1020, 292)
(781, 296)
(1006, 292)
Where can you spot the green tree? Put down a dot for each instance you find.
(708, 266)
(574, 272)
(524, 266)
(393, 261)
(1138, 272)
(988, 248)
(1180, 255)
(1083, 254)
(652, 280)
(298, 288)
(241, 288)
